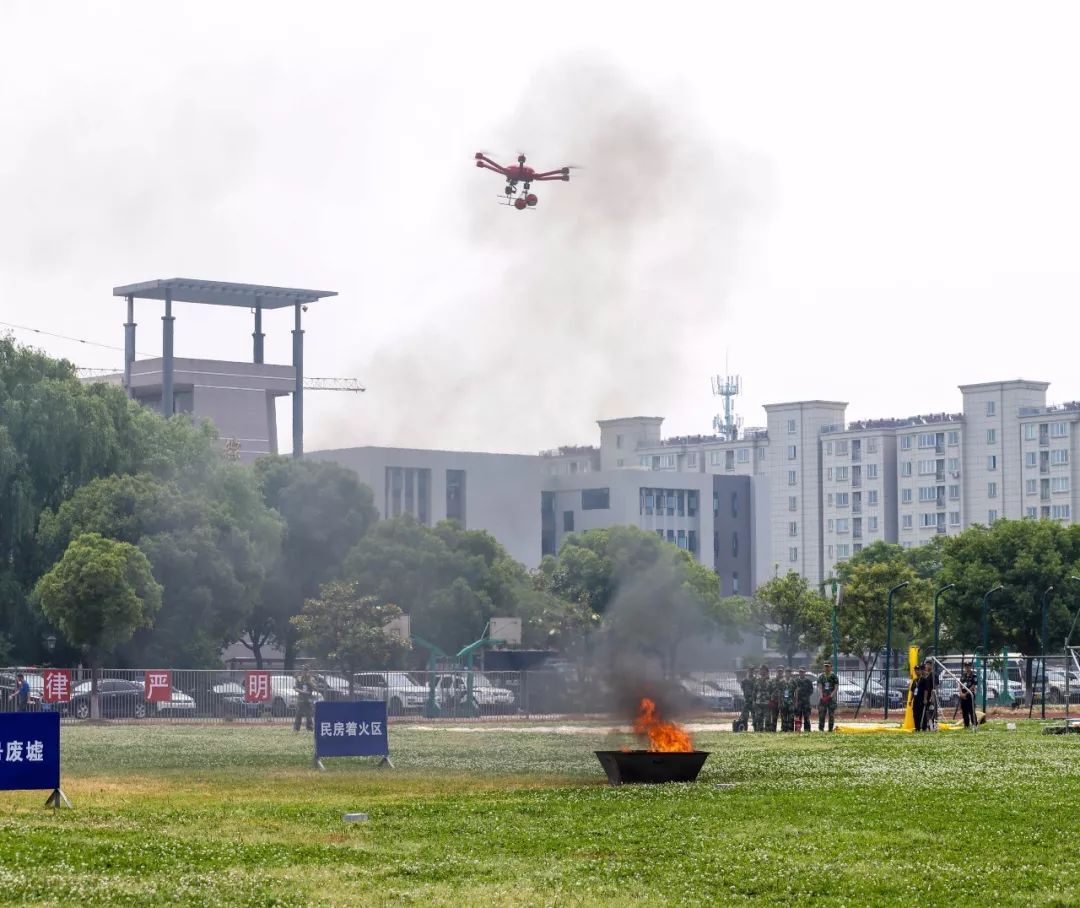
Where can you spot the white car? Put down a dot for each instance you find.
(284, 696)
(453, 691)
(398, 690)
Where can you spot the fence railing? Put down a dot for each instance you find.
(227, 695)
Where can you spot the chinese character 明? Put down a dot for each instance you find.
(350, 729)
(325, 729)
(376, 728)
(35, 752)
(13, 753)
(339, 729)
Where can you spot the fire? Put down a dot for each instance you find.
(664, 737)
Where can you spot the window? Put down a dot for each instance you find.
(680, 539)
(828, 449)
(792, 503)
(991, 490)
(991, 462)
(1059, 484)
(991, 516)
(905, 496)
(829, 499)
(734, 504)
(905, 441)
(871, 524)
(841, 474)
(871, 446)
(455, 496)
(568, 521)
(991, 436)
(953, 465)
(793, 553)
(871, 471)
(954, 518)
(1060, 457)
(691, 504)
(871, 497)
(1061, 512)
(744, 455)
(830, 525)
(1031, 513)
(1059, 430)
(734, 545)
(954, 438)
(954, 493)
(1031, 487)
(830, 551)
(927, 440)
(928, 520)
(905, 522)
(618, 441)
(841, 449)
(829, 474)
(716, 458)
(793, 528)
(671, 536)
(843, 551)
(990, 408)
(692, 540)
(1031, 459)
(573, 466)
(791, 426)
(841, 499)
(791, 452)
(1031, 431)
(595, 499)
(905, 468)
(843, 525)
(691, 459)
(667, 461)
(735, 582)
(791, 477)
(927, 467)
(927, 493)
(760, 453)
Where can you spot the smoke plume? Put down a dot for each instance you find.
(604, 287)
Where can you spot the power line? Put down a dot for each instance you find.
(77, 340)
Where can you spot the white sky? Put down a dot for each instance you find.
(863, 202)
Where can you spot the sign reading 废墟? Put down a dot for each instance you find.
(29, 751)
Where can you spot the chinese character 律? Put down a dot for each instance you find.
(14, 752)
(35, 752)
(57, 687)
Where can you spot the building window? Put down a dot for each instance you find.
(829, 474)
(828, 449)
(927, 493)
(954, 493)
(734, 504)
(1060, 457)
(928, 520)
(573, 466)
(1059, 430)
(735, 582)
(618, 441)
(841, 499)
(1031, 431)
(1031, 487)
(692, 459)
(1031, 513)
(841, 474)
(830, 551)
(671, 536)
(991, 436)
(793, 553)
(595, 499)
(691, 543)
(927, 467)
(793, 503)
(841, 449)
(760, 453)
(791, 477)
(1059, 484)
(991, 462)
(953, 465)
(734, 545)
(455, 496)
(680, 539)
(568, 521)
(905, 496)
(843, 525)
(871, 471)
(791, 452)
(991, 490)
(829, 499)
(793, 528)
(871, 524)
(791, 426)
(954, 518)
(830, 525)
(743, 455)
(991, 516)
(905, 442)
(1031, 459)
(990, 408)
(716, 458)
(871, 497)
(928, 440)
(953, 438)
(843, 550)
(871, 446)
(691, 503)
(1061, 512)
(905, 468)
(905, 522)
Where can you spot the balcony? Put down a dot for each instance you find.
(941, 529)
(1044, 440)
(856, 456)
(856, 482)
(939, 449)
(856, 534)
(939, 477)
(941, 504)
(856, 509)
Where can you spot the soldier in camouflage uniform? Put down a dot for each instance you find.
(762, 693)
(787, 703)
(747, 685)
(829, 684)
(804, 690)
(776, 695)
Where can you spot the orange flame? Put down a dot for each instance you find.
(664, 737)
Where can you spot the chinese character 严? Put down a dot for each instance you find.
(14, 752)
(35, 752)
(325, 729)
(339, 729)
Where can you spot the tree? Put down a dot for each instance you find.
(797, 615)
(349, 630)
(98, 595)
(327, 511)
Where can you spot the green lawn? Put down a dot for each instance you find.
(234, 816)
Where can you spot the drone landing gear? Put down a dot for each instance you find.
(526, 200)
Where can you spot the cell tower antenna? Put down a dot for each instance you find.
(727, 387)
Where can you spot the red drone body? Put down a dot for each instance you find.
(519, 173)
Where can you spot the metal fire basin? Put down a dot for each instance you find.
(633, 767)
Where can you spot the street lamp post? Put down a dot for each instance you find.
(1045, 603)
(1068, 639)
(888, 644)
(835, 635)
(937, 625)
(986, 637)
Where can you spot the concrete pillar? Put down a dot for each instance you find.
(167, 401)
(298, 391)
(129, 343)
(258, 335)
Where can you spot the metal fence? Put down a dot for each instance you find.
(221, 695)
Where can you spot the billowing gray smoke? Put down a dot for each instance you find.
(606, 287)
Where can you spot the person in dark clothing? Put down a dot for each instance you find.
(22, 694)
(968, 684)
(305, 696)
(916, 698)
(927, 695)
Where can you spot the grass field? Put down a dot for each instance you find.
(234, 816)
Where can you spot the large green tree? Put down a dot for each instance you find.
(327, 511)
(785, 608)
(98, 594)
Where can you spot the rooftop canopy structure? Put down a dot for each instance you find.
(256, 297)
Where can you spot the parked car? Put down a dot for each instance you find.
(1055, 686)
(452, 692)
(180, 704)
(705, 695)
(284, 696)
(224, 700)
(399, 690)
(117, 698)
(333, 687)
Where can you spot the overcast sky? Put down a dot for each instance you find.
(861, 202)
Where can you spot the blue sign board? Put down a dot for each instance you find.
(345, 728)
(29, 751)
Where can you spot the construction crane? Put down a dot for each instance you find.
(311, 383)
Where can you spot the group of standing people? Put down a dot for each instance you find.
(924, 699)
(785, 699)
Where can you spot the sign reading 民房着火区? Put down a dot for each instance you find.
(351, 729)
(29, 751)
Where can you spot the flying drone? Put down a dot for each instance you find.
(519, 173)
